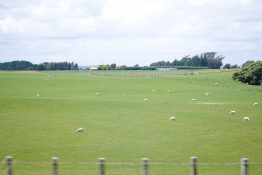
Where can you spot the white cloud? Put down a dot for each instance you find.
(129, 31)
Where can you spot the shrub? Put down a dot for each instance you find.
(250, 73)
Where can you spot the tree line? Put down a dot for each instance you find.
(209, 60)
(113, 66)
(26, 65)
(251, 73)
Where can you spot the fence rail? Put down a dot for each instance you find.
(193, 164)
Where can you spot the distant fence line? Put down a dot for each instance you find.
(171, 77)
(193, 165)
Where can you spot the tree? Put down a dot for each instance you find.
(227, 66)
(247, 63)
(250, 73)
(112, 66)
(16, 65)
(123, 67)
(207, 59)
(103, 67)
(234, 66)
(213, 61)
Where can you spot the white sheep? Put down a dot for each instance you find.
(232, 112)
(37, 95)
(246, 119)
(97, 93)
(172, 118)
(193, 99)
(79, 130)
(153, 90)
(145, 99)
(216, 84)
(255, 104)
(207, 93)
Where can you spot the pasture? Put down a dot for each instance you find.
(40, 111)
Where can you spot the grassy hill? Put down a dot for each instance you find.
(40, 111)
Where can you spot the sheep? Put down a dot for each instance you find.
(206, 93)
(168, 91)
(97, 93)
(124, 94)
(216, 84)
(153, 90)
(193, 99)
(79, 130)
(246, 119)
(232, 112)
(172, 118)
(145, 99)
(37, 95)
(255, 104)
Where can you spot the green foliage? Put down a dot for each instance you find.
(112, 66)
(207, 59)
(17, 65)
(234, 66)
(251, 73)
(227, 66)
(103, 67)
(26, 65)
(247, 63)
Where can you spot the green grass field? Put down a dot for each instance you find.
(125, 128)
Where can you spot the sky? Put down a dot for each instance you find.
(129, 32)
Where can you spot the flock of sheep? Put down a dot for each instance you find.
(246, 118)
(172, 118)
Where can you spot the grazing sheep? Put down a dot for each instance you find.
(246, 119)
(255, 104)
(79, 130)
(145, 99)
(172, 118)
(232, 112)
(153, 90)
(97, 93)
(193, 99)
(206, 93)
(37, 95)
(216, 84)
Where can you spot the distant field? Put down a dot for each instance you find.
(39, 112)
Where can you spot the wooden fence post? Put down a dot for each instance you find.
(55, 165)
(9, 165)
(101, 166)
(193, 165)
(145, 166)
(244, 166)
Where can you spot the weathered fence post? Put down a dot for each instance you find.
(244, 166)
(55, 165)
(193, 165)
(145, 166)
(9, 165)
(101, 166)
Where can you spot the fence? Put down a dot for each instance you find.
(193, 164)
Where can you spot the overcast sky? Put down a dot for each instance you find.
(92, 32)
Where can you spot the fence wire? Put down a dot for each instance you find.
(135, 163)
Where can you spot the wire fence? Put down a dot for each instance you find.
(102, 167)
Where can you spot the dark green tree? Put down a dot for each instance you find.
(112, 66)
(227, 66)
(250, 73)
